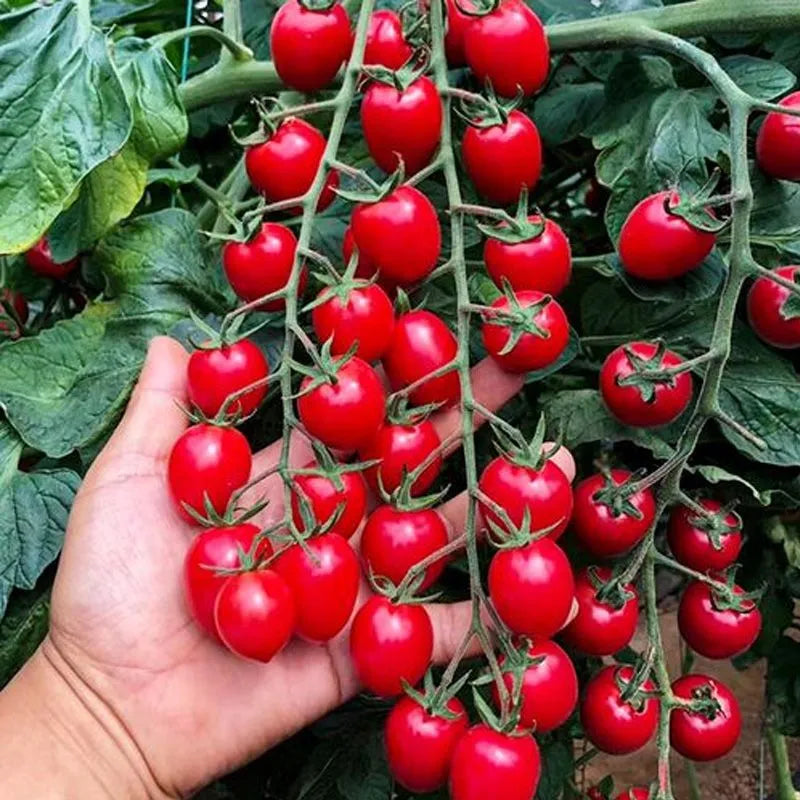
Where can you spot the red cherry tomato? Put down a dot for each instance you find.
(691, 544)
(390, 643)
(681, 246)
(653, 403)
(386, 45)
(421, 344)
(612, 724)
(704, 737)
(543, 263)
(508, 47)
(364, 269)
(207, 462)
(487, 764)
(40, 260)
(308, 46)
(457, 24)
(324, 578)
(501, 159)
(419, 745)
(532, 350)
(344, 415)
(768, 313)
(778, 142)
(636, 793)
(255, 615)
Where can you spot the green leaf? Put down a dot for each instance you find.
(785, 47)
(787, 495)
(570, 353)
(173, 176)
(565, 112)
(783, 687)
(775, 222)
(22, 629)
(557, 769)
(759, 77)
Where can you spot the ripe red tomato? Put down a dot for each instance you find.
(532, 587)
(255, 614)
(457, 24)
(543, 263)
(636, 793)
(614, 725)
(419, 745)
(653, 403)
(532, 350)
(389, 643)
(600, 629)
(604, 521)
(767, 311)
(400, 235)
(324, 579)
(421, 344)
(309, 46)
(508, 47)
(713, 630)
(263, 265)
(549, 688)
(681, 246)
(487, 764)
(344, 415)
(209, 462)
(544, 493)
(501, 159)
(386, 44)
(778, 142)
(699, 737)
(689, 540)
(364, 268)
(216, 373)
(40, 260)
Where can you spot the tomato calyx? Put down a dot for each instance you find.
(233, 514)
(320, 6)
(648, 372)
(704, 702)
(338, 285)
(616, 496)
(695, 209)
(727, 596)
(611, 591)
(517, 661)
(375, 192)
(400, 412)
(512, 445)
(480, 111)
(434, 700)
(325, 367)
(520, 320)
(508, 721)
(401, 498)
(477, 8)
(715, 523)
(522, 227)
(632, 690)
(402, 78)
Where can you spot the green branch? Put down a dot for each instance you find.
(238, 51)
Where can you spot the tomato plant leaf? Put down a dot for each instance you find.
(557, 769)
(22, 629)
(783, 687)
(758, 77)
(786, 494)
(775, 223)
(565, 112)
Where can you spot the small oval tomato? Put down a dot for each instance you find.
(421, 344)
(308, 46)
(637, 393)
(324, 578)
(346, 414)
(487, 764)
(681, 246)
(390, 643)
(607, 520)
(543, 263)
(457, 24)
(40, 260)
(692, 537)
(549, 687)
(704, 736)
(778, 142)
(254, 614)
(509, 48)
(544, 337)
(600, 628)
(207, 463)
(768, 312)
(503, 158)
(614, 725)
(386, 44)
(364, 268)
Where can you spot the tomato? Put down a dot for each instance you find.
(207, 463)
(533, 350)
(503, 158)
(308, 46)
(324, 499)
(263, 265)
(549, 688)
(768, 313)
(255, 614)
(545, 493)
(509, 48)
(363, 315)
(421, 344)
(691, 544)
(601, 629)
(457, 24)
(210, 552)
(487, 765)
(654, 402)
(364, 268)
(40, 260)
(778, 142)
(606, 521)
(596, 197)
(681, 246)
(636, 793)
(543, 263)
(419, 745)
(532, 587)
(386, 45)
(698, 736)
(216, 373)
(286, 164)
(324, 579)
(612, 724)
(711, 629)
(389, 643)
(346, 414)
(400, 235)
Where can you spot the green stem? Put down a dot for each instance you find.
(780, 760)
(237, 51)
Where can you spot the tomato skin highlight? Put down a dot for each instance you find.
(386, 44)
(692, 546)
(40, 260)
(778, 142)
(765, 302)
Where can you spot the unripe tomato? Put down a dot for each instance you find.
(768, 312)
(778, 142)
(40, 260)
(386, 45)
(691, 544)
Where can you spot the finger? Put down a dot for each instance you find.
(451, 622)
